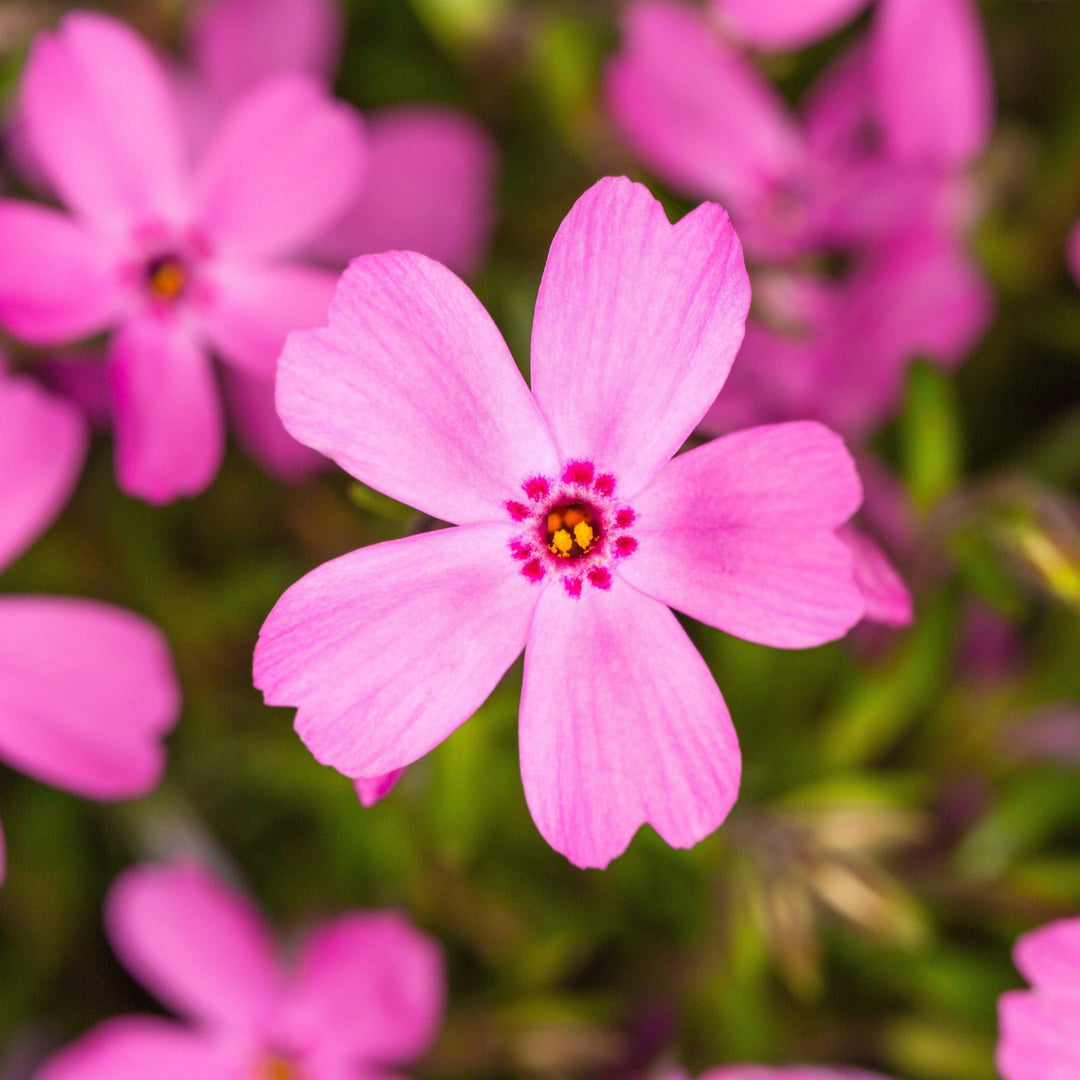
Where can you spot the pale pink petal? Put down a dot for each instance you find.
(103, 123)
(56, 279)
(429, 188)
(1049, 958)
(87, 691)
(238, 43)
(370, 789)
(1073, 252)
(198, 945)
(370, 989)
(699, 113)
(386, 650)
(259, 430)
(255, 306)
(411, 389)
(637, 323)
(887, 598)
(285, 162)
(170, 433)
(741, 534)
(622, 724)
(137, 1048)
(784, 24)
(1037, 1037)
(933, 78)
(42, 446)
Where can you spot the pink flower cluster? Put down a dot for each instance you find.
(204, 208)
(365, 994)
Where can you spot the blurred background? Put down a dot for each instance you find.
(911, 796)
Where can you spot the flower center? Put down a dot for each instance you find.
(572, 530)
(276, 1067)
(166, 278)
(572, 527)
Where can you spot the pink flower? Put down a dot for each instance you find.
(87, 691)
(366, 992)
(175, 260)
(1040, 1028)
(574, 527)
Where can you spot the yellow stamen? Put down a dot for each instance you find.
(168, 280)
(583, 534)
(562, 542)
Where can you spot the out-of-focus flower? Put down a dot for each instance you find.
(175, 261)
(366, 993)
(575, 527)
(1039, 1036)
(428, 184)
(87, 690)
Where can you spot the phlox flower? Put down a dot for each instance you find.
(427, 185)
(176, 258)
(364, 995)
(574, 526)
(87, 690)
(1039, 1036)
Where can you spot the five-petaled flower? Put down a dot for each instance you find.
(176, 260)
(576, 528)
(366, 993)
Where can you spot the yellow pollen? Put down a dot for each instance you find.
(583, 534)
(561, 542)
(168, 280)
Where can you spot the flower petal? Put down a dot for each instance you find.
(741, 534)
(103, 123)
(386, 650)
(56, 280)
(370, 789)
(935, 86)
(370, 988)
(198, 945)
(699, 113)
(42, 446)
(255, 307)
(412, 390)
(284, 162)
(87, 691)
(1049, 957)
(259, 430)
(782, 25)
(238, 43)
(636, 326)
(170, 434)
(887, 598)
(622, 724)
(1037, 1037)
(429, 188)
(134, 1048)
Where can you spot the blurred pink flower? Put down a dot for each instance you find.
(87, 690)
(1039, 1037)
(366, 993)
(428, 184)
(175, 260)
(575, 527)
